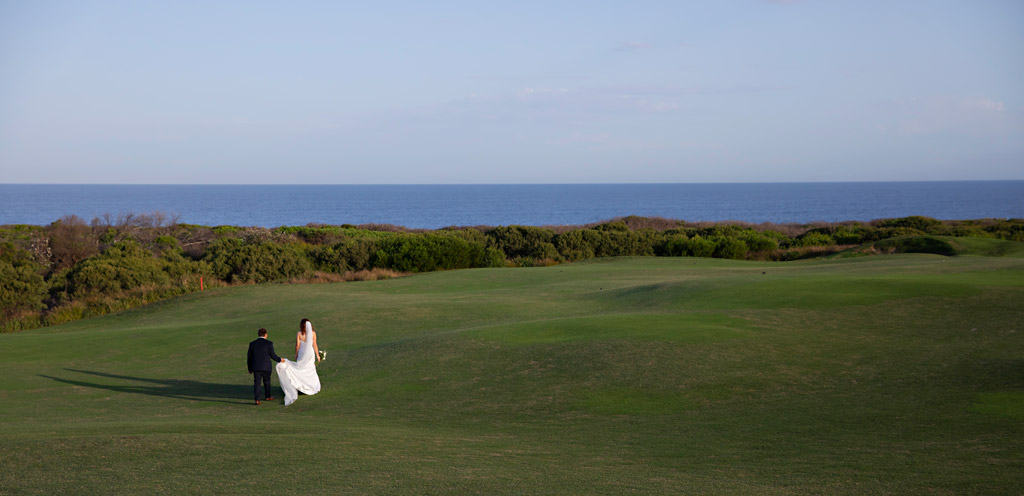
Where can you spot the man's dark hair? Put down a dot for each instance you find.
(261, 333)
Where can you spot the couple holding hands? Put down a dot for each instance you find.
(297, 376)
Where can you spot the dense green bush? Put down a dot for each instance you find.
(757, 242)
(970, 232)
(523, 242)
(850, 234)
(226, 230)
(326, 259)
(348, 255)
(357, 253)
(631, 243)
(924, 224)
(22, 289)
(76, 270)
(675, 246)
(166, 243)
(429, 252)
(814, 238)
(891, 232)
(234, 260)
(917, 244)
(842, 234)
(616, 226)
(321, 235)
(726, 247)
(577, 244)
(124, 265)
(781, 239)
(698, 246)
(609, 241)
(1012, 230)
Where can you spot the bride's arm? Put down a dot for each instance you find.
(316, 349)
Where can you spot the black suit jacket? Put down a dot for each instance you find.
(261, 352)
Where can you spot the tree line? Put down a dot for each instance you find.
(71, 269)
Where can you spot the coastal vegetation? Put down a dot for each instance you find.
(897, 374)
(71, 269)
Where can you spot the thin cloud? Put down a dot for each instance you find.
(632, 46)
(977, 115)
(679, 91)
(614, 99)
(983, 104)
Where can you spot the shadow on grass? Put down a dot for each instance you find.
(167, 388)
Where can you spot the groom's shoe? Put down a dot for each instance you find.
(270, 398)
(257, 402)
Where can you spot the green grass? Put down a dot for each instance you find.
(895, 374)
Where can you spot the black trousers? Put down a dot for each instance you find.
(257, 376)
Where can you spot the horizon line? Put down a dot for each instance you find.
(516, 184)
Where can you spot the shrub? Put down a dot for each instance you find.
(71, 241)
(891, 232)
(22, 289)
(917, 244)
(523, 242)
(757, 242)
(630, 243)
(575, 245)
(723, 230)
(357, 253)
(780, 238)
(226, 230)
(614, 226)
(429, 252)
(727, 247)
(166, 242)
(580, 244)
(180, 268)
(923, 224)
(802, 253)
(348, 255)
(320, 235)
(469, 234)
(698, 246)
(850, 234)
(123, 266)
(234, 260)
(675, 246)
(1012, 230)
(970, 232)
(842, 234)
(325, 259)
(814, 238)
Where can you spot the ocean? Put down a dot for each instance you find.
(436, 206)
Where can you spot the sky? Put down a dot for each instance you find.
(470, 92)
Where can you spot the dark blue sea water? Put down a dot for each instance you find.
(434, 206)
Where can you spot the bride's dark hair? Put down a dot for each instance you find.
(302, 326)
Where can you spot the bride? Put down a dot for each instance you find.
(300, 376)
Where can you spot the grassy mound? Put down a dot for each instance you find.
(899, 374)
(987, 247)
(939, 245)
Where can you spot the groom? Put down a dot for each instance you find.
(261, 351)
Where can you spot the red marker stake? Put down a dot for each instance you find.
(200, 283)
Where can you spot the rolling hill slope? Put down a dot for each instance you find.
(890, 374)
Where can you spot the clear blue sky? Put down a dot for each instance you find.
(511, 92)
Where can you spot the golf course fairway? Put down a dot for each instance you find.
(894, 374)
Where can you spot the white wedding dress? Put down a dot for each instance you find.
(300, 375)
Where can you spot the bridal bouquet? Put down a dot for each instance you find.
(323, 356)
